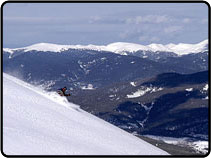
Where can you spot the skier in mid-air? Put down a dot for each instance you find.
(62, 91)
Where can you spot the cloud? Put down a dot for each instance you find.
(27, 19)
(142, 38)
(204, 21)
(124, 34)
(129, 34)
(186, 20)
(147, 19)
(147, 38)
(94, 19)
(40, 20)
(154, 39)
(173, 29)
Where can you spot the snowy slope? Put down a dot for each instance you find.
(120, 47)
(41, 123)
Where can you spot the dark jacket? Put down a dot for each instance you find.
(61, 92)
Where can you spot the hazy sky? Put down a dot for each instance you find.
(103, 23)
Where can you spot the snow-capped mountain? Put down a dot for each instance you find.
(179, 49)
(80, 66)
(120, 48)
(114, 75)
(40, 123)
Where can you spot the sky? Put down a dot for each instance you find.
(25, 24)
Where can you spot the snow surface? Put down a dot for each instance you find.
(133, 84)
(206, 87)
(120, 47)
(88, 87)
(189, 89)
(40, 123)
(198, 146)
(138, 93)
(143, 90)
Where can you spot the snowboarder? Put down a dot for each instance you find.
(61, 92)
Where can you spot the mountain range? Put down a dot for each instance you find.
(80, 66)
(156, 89)
(119, 48)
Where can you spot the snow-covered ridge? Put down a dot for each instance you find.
(53, 47)
(120, 47)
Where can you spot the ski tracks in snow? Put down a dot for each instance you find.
(53, 96)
